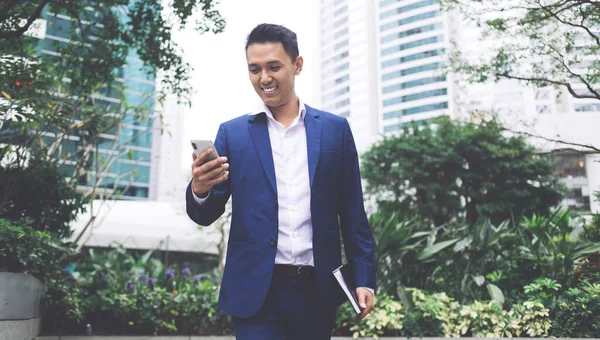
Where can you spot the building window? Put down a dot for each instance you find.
(336, 59)
(411, 70)
(407, 8)
(412, 44)
(415, 96)
(338, 105)
(341, 44)
(410, 32)
(413, 83)
(408, 20)
(384, 3)
(340, 22)
(587, 108)
(412, 57)
(340, 11)
(340, 33)
(338, 81)
(415, 110)
(336, 94)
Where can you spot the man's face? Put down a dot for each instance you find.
(272, 72)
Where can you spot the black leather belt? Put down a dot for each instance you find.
(300, 272)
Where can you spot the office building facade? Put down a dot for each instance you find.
(129, 174)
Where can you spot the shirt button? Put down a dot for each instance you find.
(274, 204)
(294, 234)
(273, 242)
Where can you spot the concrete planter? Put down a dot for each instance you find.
(20, 298)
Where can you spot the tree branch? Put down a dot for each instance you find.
(20, 31)
(528, 134)
(545, 80)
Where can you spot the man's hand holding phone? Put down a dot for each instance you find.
(206, 175)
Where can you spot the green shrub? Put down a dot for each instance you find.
(440, 315)
(26, 250)
(123, 294)
(577, 314)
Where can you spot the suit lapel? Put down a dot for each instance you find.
(313, 140)
(260, 135)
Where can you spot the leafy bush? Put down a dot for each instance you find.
(479, 261)
(39, 194)
(26, 250)
(543, 290)
(386, 319)
(440, 315)
(577, 314)
(465, 170)
(123, 294)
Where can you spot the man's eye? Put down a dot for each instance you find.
(275, 68)
(254, 70)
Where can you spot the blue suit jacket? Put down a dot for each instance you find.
(336, 205)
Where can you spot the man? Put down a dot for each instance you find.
(292, 172)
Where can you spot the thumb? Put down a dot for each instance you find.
(194, 156)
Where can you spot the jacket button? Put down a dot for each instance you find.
(273, 242)
(274, 204)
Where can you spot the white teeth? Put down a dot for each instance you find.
(270, 89)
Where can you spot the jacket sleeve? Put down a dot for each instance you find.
(214, 206)
(356, 232)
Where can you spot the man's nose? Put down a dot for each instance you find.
(265, 77)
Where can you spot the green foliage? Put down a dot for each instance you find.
(543, 290)
(439, 315)
(119, 293)
(544, 43)
(26, 250)
(577, 315)
(141, 26)
(40, 194)
(386, 319)
(479, 261)
(459, 170)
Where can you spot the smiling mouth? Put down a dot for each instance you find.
(269, 90)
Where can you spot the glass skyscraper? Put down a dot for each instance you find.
(130, 173)
(412, 37)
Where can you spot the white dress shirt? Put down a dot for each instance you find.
(290, 157)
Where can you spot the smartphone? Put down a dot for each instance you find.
(200, 146)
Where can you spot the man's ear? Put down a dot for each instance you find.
(299, 64)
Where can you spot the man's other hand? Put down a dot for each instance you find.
(366, 301)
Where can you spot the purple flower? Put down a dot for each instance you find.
(106, 277)
(186, 272)
(129, 285)
(197, 277)
(143, 278)
(68, 273)
(153, 282)
(170, 274)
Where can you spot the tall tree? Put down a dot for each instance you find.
(103, 32)
(460, 169)
(544, 43)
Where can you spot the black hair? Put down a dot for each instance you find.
(275, 33)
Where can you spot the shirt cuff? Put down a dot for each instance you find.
(200, 200)
(369, 289)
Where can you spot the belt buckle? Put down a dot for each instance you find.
(298, 274)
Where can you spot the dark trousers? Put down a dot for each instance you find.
(292, 311)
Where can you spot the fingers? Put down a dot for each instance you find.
(366, 301)
(199, 160)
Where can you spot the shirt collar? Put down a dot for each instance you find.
(262, 107)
